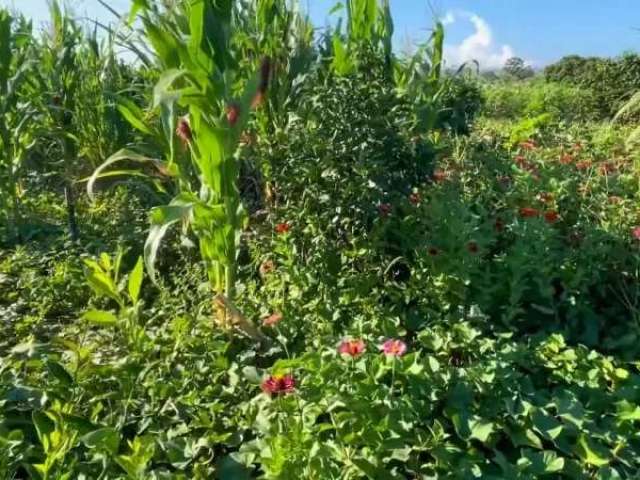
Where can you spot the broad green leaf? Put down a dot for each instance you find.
(60, 373)
(133, 114)
(106, 439)
(119, 156)
(591, 454)
(100, 318)
(135, 280)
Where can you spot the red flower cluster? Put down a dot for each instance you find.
(528, 212)
(353, 348)
(415, 198)
(279, 384)
(283, 227)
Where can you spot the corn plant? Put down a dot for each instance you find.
(59, 79)
(369, 31)
(191, 41)
(16, 114)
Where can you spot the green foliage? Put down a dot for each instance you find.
(611, 82)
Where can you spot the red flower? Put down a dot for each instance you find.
(272, 319)
(584, 165)
(433, 251)
(233, 113)
(394, 348)
(384, 209)
(577, 147)
(277, 384)
(528, 145)
(353, 348)
(551, 216)
(520, 160)
(636, 233)
(283, 227)
(415, 198)
(607, 168)
(473, 247)
(183, 131)
(440, 176)
(267, 267)
(528, 212)
(566, 159)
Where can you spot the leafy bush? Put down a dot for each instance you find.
(611, 82)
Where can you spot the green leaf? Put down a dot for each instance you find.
(60, 373)
(133, 114)
(106, 439)
(591, 454)
(481, 429)
(135, 280)
(100, 318)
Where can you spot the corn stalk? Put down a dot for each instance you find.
(192, 44)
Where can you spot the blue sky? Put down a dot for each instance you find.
(540, 31)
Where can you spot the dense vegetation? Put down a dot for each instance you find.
(257, 251)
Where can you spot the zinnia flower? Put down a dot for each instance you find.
(440, 176)
(566, 159)
(272, 319)
(636, 233)
(528, 145)
(394, 348)
(528, 212)
(384, 209)
(283, 227)
(415, 198)
(233, 113)
(279, 384)
(183, 131)
(353, 348)
(551, 216)
(267, 267)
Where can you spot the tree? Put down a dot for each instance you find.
(517, 68)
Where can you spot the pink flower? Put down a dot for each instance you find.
(233, 113)
(272, 319)
(394, 348)
(353, 348)
(636, 233)
(278, 384)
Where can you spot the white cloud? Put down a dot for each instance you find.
(478, 46)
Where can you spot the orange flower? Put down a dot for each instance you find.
(283, 228)
(272, 319)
